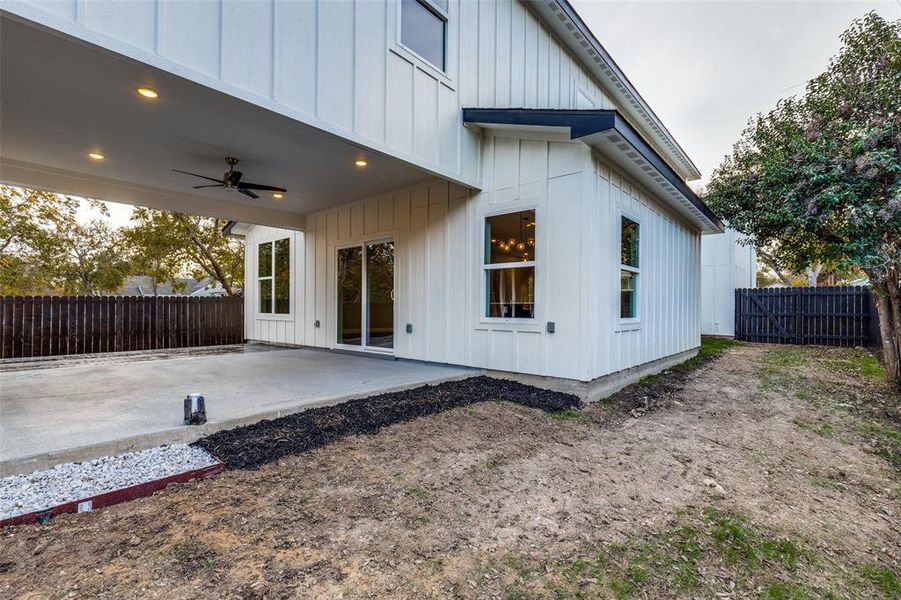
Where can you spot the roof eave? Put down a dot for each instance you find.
(563, 19)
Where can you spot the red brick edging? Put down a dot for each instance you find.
(141, 490)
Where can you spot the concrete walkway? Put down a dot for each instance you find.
(65, 411)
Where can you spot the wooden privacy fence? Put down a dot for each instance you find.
(57, 325)
(827, 316)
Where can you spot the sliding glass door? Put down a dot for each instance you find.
(366, 296)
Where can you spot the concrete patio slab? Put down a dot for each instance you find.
(63, 411)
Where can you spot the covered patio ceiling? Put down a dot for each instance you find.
(61, 99)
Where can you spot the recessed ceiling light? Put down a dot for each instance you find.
(148, 93)
(95, 156)
(360, 162)
(278, 196)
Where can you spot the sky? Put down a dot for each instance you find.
(706, 67)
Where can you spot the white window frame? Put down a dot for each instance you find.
(629, 322)
(442, 74)
(271, 279)
(509, 265)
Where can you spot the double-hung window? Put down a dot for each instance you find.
(274, 276)
(628, 269)
(423, 29)
(509, 265)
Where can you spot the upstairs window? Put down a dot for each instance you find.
(274, 276)
(423, 29)
(509, 265)
(628, 269)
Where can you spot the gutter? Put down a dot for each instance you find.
(227, 230)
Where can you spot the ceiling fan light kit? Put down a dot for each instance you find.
(231, 180)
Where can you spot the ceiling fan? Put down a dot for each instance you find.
(231, 180)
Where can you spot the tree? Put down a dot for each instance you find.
(43, 247)
(87, 259)
(818, 178)
(167, 245)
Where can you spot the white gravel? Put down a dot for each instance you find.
(20, 494)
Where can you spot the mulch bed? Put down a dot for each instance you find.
(252, 446)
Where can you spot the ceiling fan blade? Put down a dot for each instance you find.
(197, 187)
(257, 186)
(248, 193)
(219, 181)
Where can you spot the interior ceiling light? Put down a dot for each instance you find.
(148, 93)
(360, 162)
(96, 155)
(278, 195)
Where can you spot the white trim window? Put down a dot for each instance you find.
(629, 270)
(274, 277)
(423, 30)
(509, 265)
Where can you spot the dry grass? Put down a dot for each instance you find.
(758, 475)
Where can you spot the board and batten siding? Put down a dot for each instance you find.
(669, 279)
(726, 264)
(438, 231)
(337, 64)
(276, 329)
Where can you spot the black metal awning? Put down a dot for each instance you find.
(607, 131)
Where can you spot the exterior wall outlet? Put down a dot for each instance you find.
(409, 327)
(551, 327)
(316, 323)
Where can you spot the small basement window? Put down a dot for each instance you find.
(509, 265)
(628, 269)
(423, 29)
(274, 276)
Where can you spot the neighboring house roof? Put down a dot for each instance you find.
(211, 290)
(142, 285)
(615, 138)
(563, 19)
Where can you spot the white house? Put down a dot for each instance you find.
(726, 265)
(467, 182)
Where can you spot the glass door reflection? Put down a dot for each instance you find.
(350, 296)
(380, 294)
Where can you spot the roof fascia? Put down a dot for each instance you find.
(553, 13)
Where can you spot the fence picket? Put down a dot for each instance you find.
(832, 316)
(59, 325)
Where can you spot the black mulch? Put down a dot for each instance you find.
(255, 445)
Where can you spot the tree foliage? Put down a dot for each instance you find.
(44, 248)
(818, 178)
(167, 245)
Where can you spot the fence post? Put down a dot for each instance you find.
(873, 333)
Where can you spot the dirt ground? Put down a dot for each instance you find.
(769, 472)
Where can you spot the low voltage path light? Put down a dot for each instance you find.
(194, 409)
